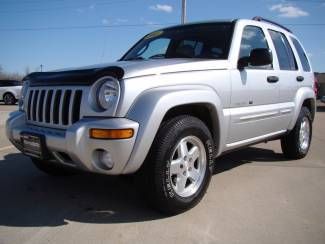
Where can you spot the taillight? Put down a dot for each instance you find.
(316, 86)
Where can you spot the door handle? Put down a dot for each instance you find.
(272, 79)
(300, 78)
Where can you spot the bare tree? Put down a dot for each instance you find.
(9, 76)
(27, 70)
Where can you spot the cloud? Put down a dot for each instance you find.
(288, 10)
(92, 7)
(310, 55)
(162, 8)
(105, 21)
(80, 10)
(119, 20)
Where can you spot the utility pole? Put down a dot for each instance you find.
(41, 67)
(183, 12)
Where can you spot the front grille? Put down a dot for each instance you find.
(54, 106)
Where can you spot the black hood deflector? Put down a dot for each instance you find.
(73, 77)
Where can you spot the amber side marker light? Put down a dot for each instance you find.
(111, 133)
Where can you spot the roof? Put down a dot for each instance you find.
(257, 18)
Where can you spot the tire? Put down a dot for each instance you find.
(173, 183)
(52, 168)
(9, 99)
(296, 144)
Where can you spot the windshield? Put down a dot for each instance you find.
(201, 41)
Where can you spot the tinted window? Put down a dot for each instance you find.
(155, 48)
(203, 41)
(4, 83)
(283, 50)
(253, 37)
(302, 55)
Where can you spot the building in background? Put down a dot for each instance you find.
(321, 84)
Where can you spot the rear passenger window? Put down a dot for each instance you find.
(283, 50)
(302, 55)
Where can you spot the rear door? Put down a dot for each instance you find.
(288, 76)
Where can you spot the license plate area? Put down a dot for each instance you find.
(33, 145)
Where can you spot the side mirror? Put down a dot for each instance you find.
(257, 57)
(260, 57)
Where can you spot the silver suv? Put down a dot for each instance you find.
(178, 99)
(10, 91)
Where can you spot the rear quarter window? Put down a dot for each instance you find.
(302, 55)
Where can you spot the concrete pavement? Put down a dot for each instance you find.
(255, 196)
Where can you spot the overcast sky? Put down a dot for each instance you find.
(70, 33)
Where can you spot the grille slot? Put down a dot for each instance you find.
(53, 107)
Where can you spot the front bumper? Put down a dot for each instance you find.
(73, 146)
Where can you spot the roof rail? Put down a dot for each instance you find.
(258, 18)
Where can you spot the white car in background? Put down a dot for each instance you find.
(10, 91)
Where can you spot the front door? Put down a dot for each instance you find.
(255, 94)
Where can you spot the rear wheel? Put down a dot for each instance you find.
(296, 144)
(9, 99)
(178, 168)
(52, 168)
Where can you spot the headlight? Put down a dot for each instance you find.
(108, 93)
(23, 95)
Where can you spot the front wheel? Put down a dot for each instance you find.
(179, 165)
(296, 144)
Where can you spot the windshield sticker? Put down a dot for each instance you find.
(153, 34)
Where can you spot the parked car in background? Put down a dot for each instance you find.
(10, 91)
(323, 99)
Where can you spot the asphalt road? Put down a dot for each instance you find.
(255, 196)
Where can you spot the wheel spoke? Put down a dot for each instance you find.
(181, 183)
(194, 154)
(182, 149)
(194, 175)
(175, 166)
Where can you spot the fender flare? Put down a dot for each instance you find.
(152, 105)
(302, 94)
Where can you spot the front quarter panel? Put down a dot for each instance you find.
(151, 107)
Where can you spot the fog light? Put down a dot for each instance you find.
(104, 159)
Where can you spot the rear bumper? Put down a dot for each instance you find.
(74, 147)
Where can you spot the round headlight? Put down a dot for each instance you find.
(108, 93)
(23, 95)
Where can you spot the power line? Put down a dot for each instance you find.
(83, 27)
(75, 6)
(80, 27)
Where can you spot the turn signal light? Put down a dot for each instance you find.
(111, 133)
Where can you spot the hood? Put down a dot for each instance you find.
(123, 69)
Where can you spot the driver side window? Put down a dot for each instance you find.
(155, 49)
(253, 38)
